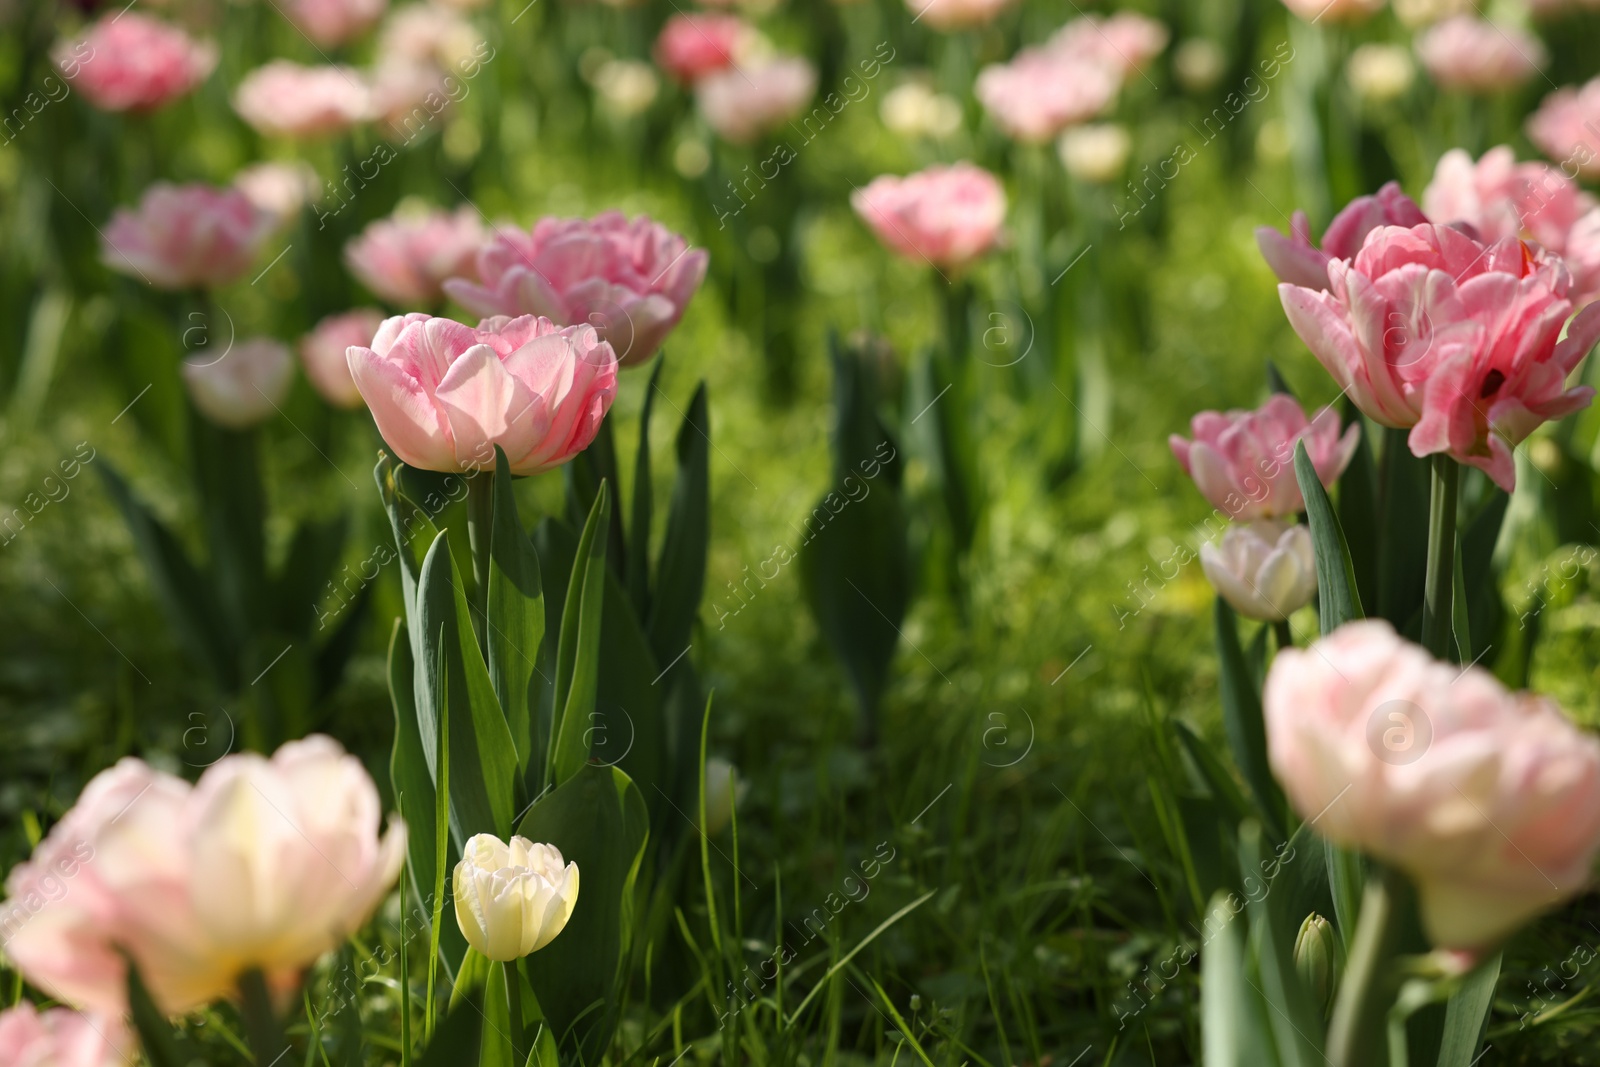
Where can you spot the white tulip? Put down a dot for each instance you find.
(244, 385)
(512, 899)
(1266, 570)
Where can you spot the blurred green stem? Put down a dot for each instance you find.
(956, 294)
(514, 1004)
(261, 1018)
(1437, 593)
(1357, 1032)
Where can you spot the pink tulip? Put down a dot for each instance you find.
(1243, 461)
(1489, 800)
(1126, 42)
(949, 15)
(408, 96)
(183, 236)
(1042, 91)
(264, 864)
(1431, 329)
(285, 99)
(333, 22)
(62, 1038)
(947, 216)
(693, 45)
(443, 394)
(1567, 128)
(405, 258)
(243, 386)
(127, 62)
(744, 102)
(1472, 55)
(322, 353)
(1294, 259)
(630, 280)
(280, 189)
(1335, 11)
(1500, 198)
(427, 33)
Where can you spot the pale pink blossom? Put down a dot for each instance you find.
(61, 1037)
(1489, 800)
(1296, 260)
(444, 395)
(333, 22)
(1566, 128)
(409, 95)
(946, 216)
(692, 45)
(742, 103)
(956, 14)
(1126, 41)
(285, 99)
(1430, 329)
(279, 188)
(428, 33)
(128, 62)
(1265, 570)
(243, 386)
(1499, 198)
(323, 353)
(184, 236)
(406, 257)
(1042, 91)
(1474, 55)
(1335, 11)
(629, 279)
(263, 865)
(1243, 461)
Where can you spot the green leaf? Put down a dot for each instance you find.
(1358, 511)
(307, 571)
(457, 1039)
(597, 819)
(184, 591)
(1242, 722)
(1485, 609)
(499, 1047)
(942, 398)
(578, 658)
(1234, 1025)
(1347, 879)
(643, 505)
(1216, 776)
(1337, 598)
(681, 566)
(516, 613)
(483, 757)
(227, 472)
(1467, 1014)
(162, 1046)
(1295, 1019)
(1403, 522)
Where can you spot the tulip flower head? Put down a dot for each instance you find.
(183, 236)
(692, 46)
(1265, 570)
(512, 899)
(128, 62)
(242, 387)
(744, 102)
(333, 22)
(61, 1037)
(444, 395)
(406, 257)
(946, 215)
(947, 15)
(1457, 339)
(1126, 42)
(1296, 260)
(1567, 128)
(1334, 11)
(1473, 55)
(1042, 91)
(1489, 800)
(323, 353)
(285, 99)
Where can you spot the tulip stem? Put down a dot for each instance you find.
(1438, 593)
(1357, 1035)
(1284, 635)
(260, 1018)
(514, 1006)
(480, 519)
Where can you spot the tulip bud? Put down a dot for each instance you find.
(1316, 957)
(512, 899)
(243, 386)
(1096, 153)
(1265, 570)
(1379, 73)
(724, 789)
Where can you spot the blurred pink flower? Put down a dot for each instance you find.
(127, 62)
(1499, 198)
(1265, 570)
(1126, 41)
(333, 22)
(285, 99)
(427, 33)
(185, 236)
(279, 188)
(1473, 55)
(630, 280)
(243, 386)
(1489, 800)
(63, 1038)
(1294, 259)
(742, 103)
(1334, 11)
(443, 394)
(1566, 128)
(1043, 91)
(957, 14)
(323, 353)
(693, 45)
(406, 257)
(263, 864)
(408, 95)
(1431, 329)
(946, 215)
(1243, 461)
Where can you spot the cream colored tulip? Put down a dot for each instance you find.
(1266, 570)
(512, 899)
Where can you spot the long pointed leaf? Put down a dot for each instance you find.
(1337, 598)
(579, 655)
(516, 613)
(1243, 724)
